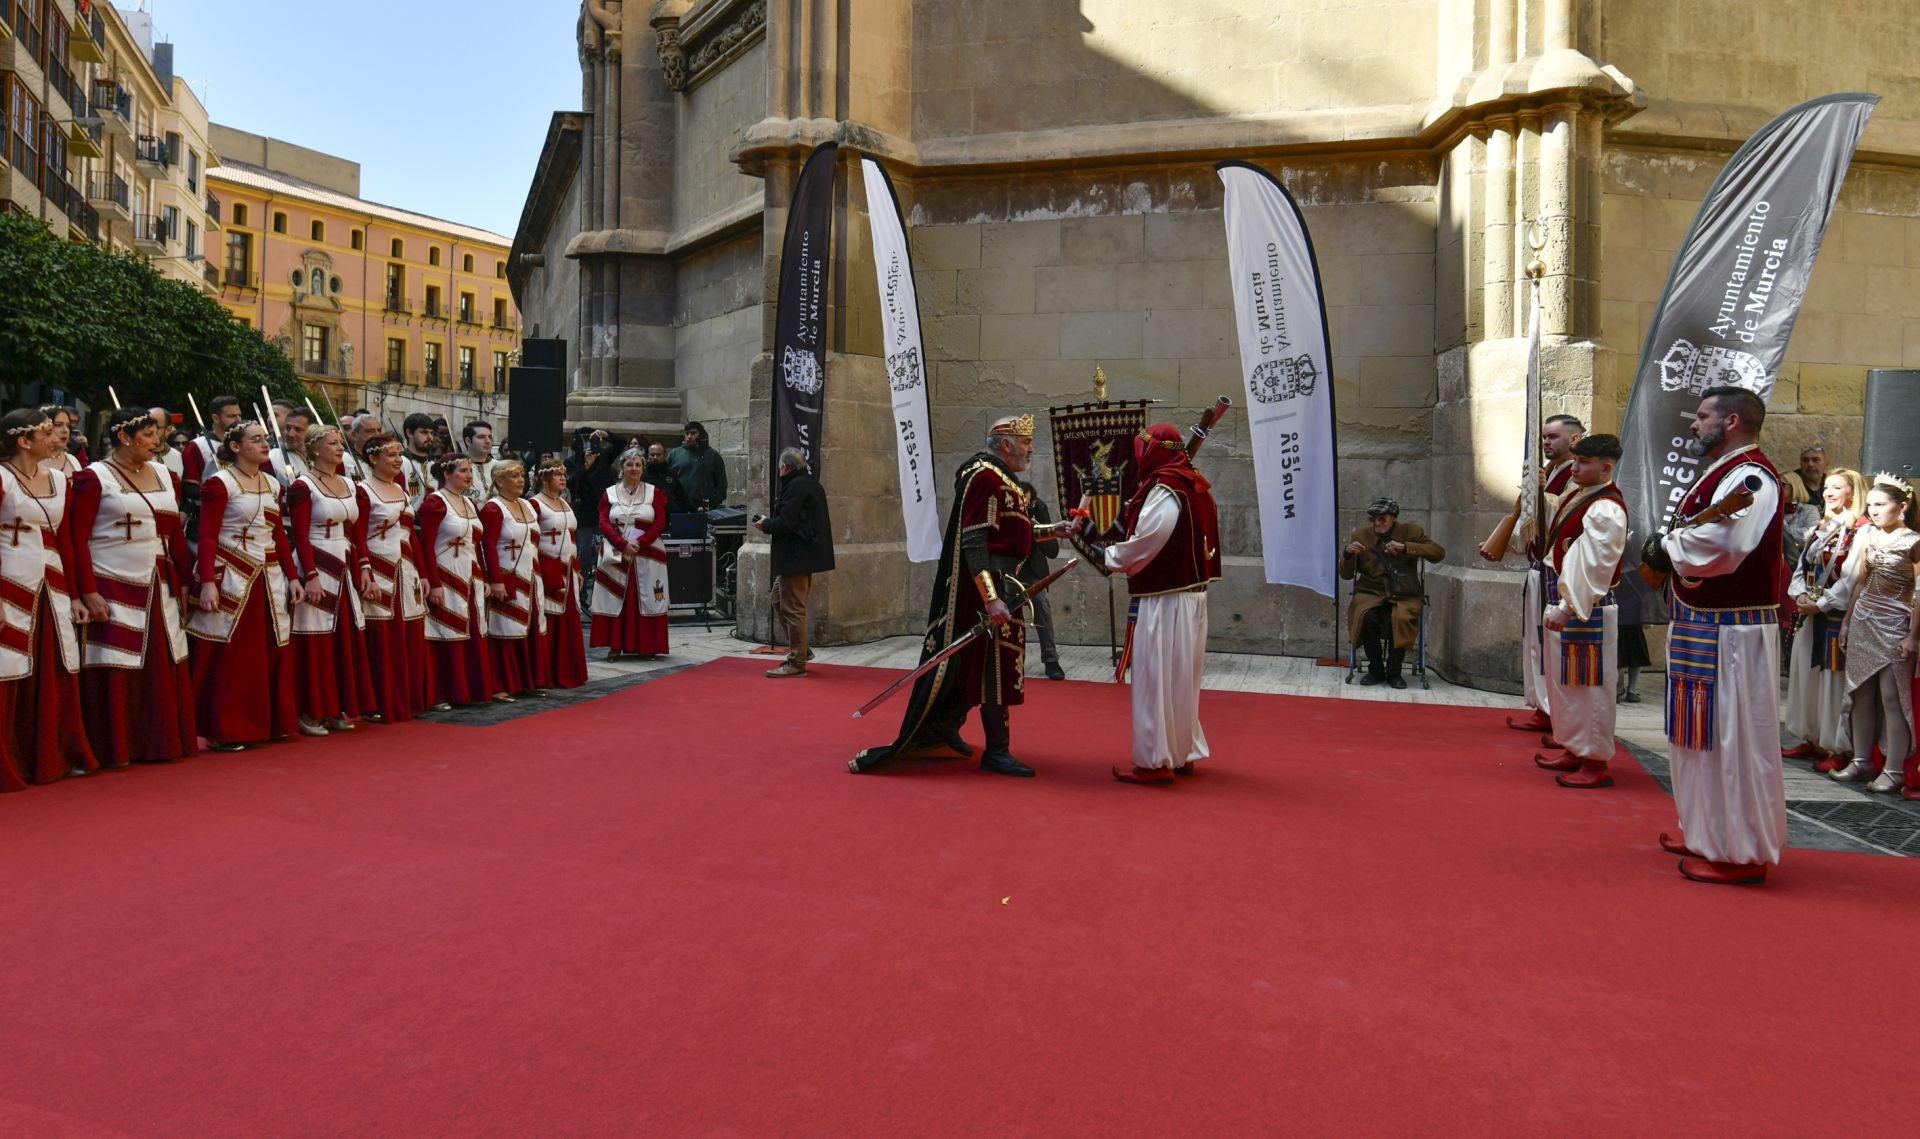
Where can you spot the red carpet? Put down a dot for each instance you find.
(672, 911)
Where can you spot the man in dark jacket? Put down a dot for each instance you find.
(802, 546)
(700, 469)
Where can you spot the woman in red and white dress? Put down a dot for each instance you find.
(42, 735)
(395, 602)
(564, 662)
(329, 626)
(61, 459)
(630, 583)
(461, 668)
(129, 552)
(243, 674)
(516, 613)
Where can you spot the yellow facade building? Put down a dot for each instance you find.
(379, 307)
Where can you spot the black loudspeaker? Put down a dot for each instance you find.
(551, 353)
(689, 572)
(1890, 438)
(536, 409)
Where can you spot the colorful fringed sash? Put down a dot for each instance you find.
(1693, 667)
(1827, 654)
(1583, 643)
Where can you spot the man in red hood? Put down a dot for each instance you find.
(1170, 555)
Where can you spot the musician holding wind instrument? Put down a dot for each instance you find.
(1723, 650)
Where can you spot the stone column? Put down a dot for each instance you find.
(812, 98)
(626, 349)
(1529, 165)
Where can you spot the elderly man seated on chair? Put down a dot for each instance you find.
(1380, 560)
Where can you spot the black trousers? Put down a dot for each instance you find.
(1376, 639)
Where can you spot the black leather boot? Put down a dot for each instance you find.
(998, 758)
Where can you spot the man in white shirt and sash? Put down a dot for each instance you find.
(1723, 652)
(1580, 629)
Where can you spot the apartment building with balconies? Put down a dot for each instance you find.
(48, 134)
(383, 307)
(98, 137)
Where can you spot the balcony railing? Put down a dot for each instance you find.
(319, 368)
(153, 152)
(89, 37)
(114, 104)
(214, 220)
(61, 80)
(432, 375)
(89, 221)
(150, 229)
(466, 315)
(210, 274)
(237, 278)
(433, 308)
(109, 188)
(398, 303)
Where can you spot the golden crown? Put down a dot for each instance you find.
(1013, 425)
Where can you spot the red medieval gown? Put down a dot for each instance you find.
(396, 608)
(515, 636)
(462, 668)
(564, 664)
(136, 686)
(243, 675)
(329, 639)
(42, 734)
(632, 630)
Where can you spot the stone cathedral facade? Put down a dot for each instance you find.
(1055, 160)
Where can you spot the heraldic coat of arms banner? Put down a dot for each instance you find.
(1093, 460)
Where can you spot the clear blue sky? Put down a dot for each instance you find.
(443, 103)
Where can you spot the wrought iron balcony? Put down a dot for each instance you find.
(214, 220)
(398, 303)
(150, 232)
(114, 104)
(153, 156)
(110, 192)
(237, 277)
(89, 42)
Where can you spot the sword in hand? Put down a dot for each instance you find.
(983, 629)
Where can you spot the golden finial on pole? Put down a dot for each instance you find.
(1099, 383)
(1536, 241)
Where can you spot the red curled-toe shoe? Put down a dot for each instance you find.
(1673, 845)
(1563, 761)
(1831, 762)
(1801, 750)
(1724, 873)
(1532, 722)
(1593, 774)
(1143, 774)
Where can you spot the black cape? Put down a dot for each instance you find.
(936, 700)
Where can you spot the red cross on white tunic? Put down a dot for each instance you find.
(18, 527)
(127, 524)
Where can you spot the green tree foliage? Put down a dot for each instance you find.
(84, 318)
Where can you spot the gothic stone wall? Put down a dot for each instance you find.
(1027, 283)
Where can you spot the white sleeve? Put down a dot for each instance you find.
(1157, 520)
(1840, 593)
(1586, 573)
(1719, 547)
